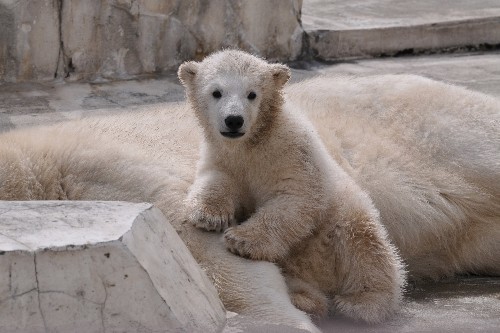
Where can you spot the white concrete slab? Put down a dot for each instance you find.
(99, 267)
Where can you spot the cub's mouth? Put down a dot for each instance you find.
(232, 135)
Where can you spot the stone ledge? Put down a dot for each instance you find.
(339, 29)
(99, 266)
(404, 40)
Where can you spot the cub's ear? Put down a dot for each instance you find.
(280, 73)
(187, 72)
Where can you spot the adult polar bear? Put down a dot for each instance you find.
(427, 153)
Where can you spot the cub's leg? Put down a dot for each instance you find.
(348, 266)
(370, 274)
(212, 201)
(274, 228)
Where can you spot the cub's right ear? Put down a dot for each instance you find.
(281, 74)
(187, 72)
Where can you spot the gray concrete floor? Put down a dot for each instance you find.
(461, 305)
(477, 71)
(27, 104)
(466, 304)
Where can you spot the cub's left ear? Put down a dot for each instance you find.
(281, 74)
(187, 72)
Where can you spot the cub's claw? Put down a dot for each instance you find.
(236, 244)
(210, 220)
(248, 244)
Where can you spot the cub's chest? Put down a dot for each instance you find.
(261, 182)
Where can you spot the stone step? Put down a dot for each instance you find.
(99, 267)
(339, 29)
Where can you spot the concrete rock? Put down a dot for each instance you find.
(99, 266)
(29, 39)
(122, 38)
(119, 39)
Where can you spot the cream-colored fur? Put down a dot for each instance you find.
(429, 156)
(425, 153)
(297, 206)
(146, 156)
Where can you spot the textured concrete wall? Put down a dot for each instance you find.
(43, 40)
(29, 39)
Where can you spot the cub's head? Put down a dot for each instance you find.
(235, 95)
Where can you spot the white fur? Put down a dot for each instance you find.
(299, 208)
(429, 156)
(426, 154)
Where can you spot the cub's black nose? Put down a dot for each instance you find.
(234, 123)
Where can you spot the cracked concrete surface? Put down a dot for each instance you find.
(74, 40)
(99, 267)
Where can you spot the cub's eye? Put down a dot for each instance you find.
(217, 94)
(251, 95)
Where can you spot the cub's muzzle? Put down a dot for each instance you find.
(233, 125)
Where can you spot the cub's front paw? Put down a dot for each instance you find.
(211, 218)
(245, 243)
(236, 243)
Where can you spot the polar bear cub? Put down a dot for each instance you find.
(266, 179)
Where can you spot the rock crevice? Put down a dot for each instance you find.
(38, 292)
